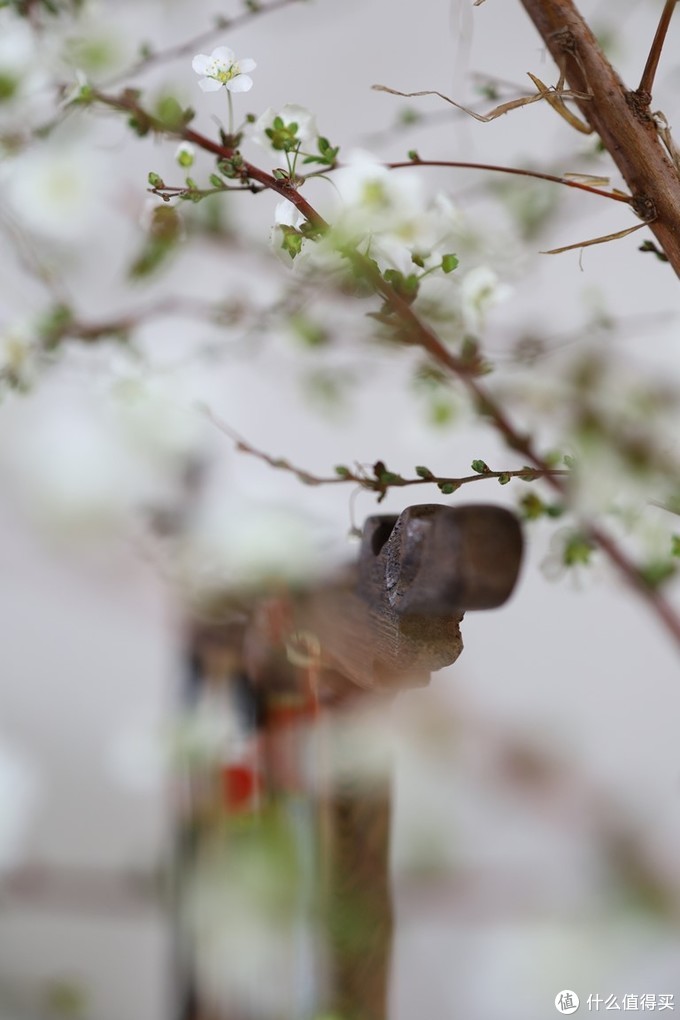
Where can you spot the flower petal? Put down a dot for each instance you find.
(223, 54)
(242, 83)
(200, 63)
(247, 64)
(210, 84)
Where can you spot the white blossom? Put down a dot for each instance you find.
(299, 128)
(55, 192)
(222, 68)
(481, 289)
(377, 200)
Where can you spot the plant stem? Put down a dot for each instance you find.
(620, 117)
(647, 80)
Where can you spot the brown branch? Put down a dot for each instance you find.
(381, 479)
(620, 116)
(519, 171)
(647, 80)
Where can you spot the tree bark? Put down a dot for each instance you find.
(620, 116)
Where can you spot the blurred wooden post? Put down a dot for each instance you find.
(381, 626)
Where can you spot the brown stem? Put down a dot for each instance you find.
(537, 174)
(621, 118)
(647, 80)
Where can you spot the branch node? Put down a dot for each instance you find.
(639, 101)
(644, 207)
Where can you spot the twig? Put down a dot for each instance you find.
(381, 479)
(518, 171)
(183, 49)
(647, 81)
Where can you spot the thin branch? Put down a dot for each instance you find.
(498, 111)
(380, 480)
(221, 24)
(518, 171)
(649, 73)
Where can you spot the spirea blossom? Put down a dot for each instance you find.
(222, 68)
(285, 131)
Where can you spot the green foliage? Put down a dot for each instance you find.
(327, 153)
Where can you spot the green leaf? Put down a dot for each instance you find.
(448, 487)
(480, 467)
(155, 180)
(449, 263)
(504, 478)
(424, 472)
(342, 471)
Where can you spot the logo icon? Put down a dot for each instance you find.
(566, 1002)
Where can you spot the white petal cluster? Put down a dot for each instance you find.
(222, 70)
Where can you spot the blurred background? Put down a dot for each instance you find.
(536, 783)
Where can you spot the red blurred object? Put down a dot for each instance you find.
(240, 786)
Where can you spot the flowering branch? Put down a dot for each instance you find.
(413, 330)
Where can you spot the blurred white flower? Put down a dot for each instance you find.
(18, 789)
(377, 200)
(245, 546)
(55, 192)
(481, 289)
(156, 418)
(222, 68)
(22, 69)
(291, 127)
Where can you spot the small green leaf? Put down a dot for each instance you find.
(155, 180)
(448, 487)
(413, 156)
(504, 478)
(449, 263)
(480, 467)
(424, 472)
(342, 471)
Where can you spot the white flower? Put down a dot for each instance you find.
(222, 68)
(55, 191)
(378, 200)
(293, 127)
(481, 290)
